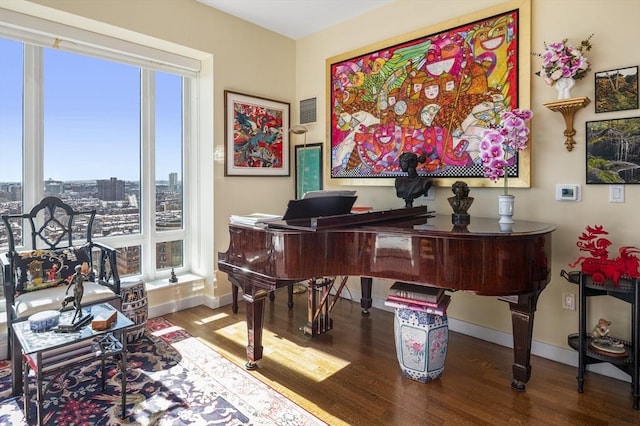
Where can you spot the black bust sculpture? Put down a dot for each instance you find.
(460, 203)
(411, 186)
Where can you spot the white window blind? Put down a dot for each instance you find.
(44, 33)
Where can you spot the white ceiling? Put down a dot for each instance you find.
(295, 18)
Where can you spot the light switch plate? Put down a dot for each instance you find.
(616, 193)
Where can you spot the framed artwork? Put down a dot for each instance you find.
(308, 159)
(617, 90)
(431, 92)
(612, 157)
(256, 136)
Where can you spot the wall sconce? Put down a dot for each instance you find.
(568, 108)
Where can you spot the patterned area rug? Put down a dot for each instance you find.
(173, 379)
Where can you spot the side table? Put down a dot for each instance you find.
(627, 290)
(49, 353)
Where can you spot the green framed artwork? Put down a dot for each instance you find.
(308, 163)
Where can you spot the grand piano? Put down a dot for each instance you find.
(410, 245)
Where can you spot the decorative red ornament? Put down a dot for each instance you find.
(599, 266)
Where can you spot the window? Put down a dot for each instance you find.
(102, 130)
(10, 130)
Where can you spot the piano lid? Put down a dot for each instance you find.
(343, 220)
(330, 205)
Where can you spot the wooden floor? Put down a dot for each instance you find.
(351, 375)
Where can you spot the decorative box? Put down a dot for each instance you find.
(43, 321)
(103, 318)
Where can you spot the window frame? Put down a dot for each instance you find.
(33, 143)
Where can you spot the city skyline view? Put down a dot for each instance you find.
(91, 110)
(102, 130)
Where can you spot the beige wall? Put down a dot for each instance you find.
(251, 60)
(552, 20)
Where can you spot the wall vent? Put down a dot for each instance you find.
(308, 111)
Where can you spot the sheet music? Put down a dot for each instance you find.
(254, 218)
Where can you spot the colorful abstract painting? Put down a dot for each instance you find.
(257, 136)
(433, 95)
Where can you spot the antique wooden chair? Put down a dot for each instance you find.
(36, 271)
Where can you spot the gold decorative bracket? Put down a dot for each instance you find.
(568, 108)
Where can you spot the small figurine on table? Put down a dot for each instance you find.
(460, 203)
(601, 329)
(411, 186)
(77, 282)
(602, 342)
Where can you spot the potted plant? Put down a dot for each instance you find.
(498, 149)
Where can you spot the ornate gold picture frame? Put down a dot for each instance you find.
(432, 92)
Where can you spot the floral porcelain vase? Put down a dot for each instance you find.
(505, 208)
(421, 343)
(564, 86)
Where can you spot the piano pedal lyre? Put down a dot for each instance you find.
(320, 304)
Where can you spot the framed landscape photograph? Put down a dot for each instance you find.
(308, 161)
(432, 92)
(617, 90)
(613, 151)
(256, 136)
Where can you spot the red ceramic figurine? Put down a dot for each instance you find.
(599, 266)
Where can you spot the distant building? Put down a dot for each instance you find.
(128, 261)
(11, 191)
(111, 190)
(173, 181)
(53, 187)
(168, 254)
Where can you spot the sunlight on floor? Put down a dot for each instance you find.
(167, 330)
(289, 354)
(212, 318)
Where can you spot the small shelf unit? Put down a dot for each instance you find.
(626, 290)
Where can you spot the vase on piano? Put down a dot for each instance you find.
(505, 208)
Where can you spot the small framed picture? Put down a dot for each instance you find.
(617, 90)
(256, 136)
(611, 156)
(308, 159)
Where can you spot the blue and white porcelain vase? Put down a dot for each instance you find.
(421, 343)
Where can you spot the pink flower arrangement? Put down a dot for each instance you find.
(562, 60)
(502, 142)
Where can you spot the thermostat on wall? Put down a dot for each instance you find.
(568, 192)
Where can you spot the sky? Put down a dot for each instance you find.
(91, 118)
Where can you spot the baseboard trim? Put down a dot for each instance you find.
(541, 349)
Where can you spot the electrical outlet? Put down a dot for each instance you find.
(569, 301)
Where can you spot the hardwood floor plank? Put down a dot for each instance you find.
(351, 375)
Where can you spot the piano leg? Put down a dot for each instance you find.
(290, 296)
(255, 322)
(272, 296)
(522, 308)
(366, 301)
(234, 299)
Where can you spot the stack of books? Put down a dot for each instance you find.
(254, 219)
(431, 300)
